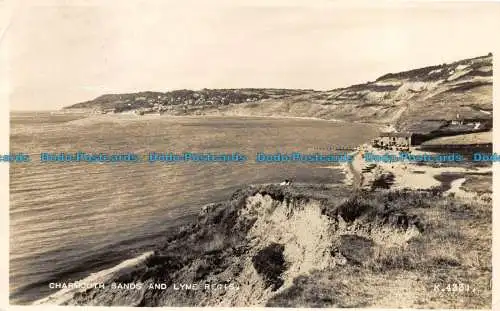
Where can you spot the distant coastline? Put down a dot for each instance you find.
(420, 100)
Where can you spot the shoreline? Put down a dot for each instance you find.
(353, 174)
(361, 174)
(211, 116)
(146, 116)
(63, 295)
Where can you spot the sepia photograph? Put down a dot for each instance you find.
(286, 154)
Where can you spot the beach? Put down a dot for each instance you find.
(71, 219)
(412, 175)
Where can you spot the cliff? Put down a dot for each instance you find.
(311, 246)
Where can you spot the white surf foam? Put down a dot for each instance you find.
(66, 294)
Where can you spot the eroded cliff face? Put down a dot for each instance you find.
(421, 100)
(254, 248)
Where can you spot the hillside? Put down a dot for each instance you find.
(312, 246)
(421, 100)
(183, 102)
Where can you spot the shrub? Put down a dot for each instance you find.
(269, 262)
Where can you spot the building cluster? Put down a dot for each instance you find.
(181, 101)
(393, 141)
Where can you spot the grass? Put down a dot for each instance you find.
(478, 183)
(453, 247)
(464, 139)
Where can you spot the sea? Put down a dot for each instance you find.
(71, 219)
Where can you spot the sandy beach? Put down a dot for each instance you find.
(361, 174)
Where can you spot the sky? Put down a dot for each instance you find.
(63, 52)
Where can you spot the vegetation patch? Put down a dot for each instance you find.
(269, 262)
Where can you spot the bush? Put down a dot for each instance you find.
(270, 264)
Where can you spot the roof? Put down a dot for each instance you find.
(395, 134)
